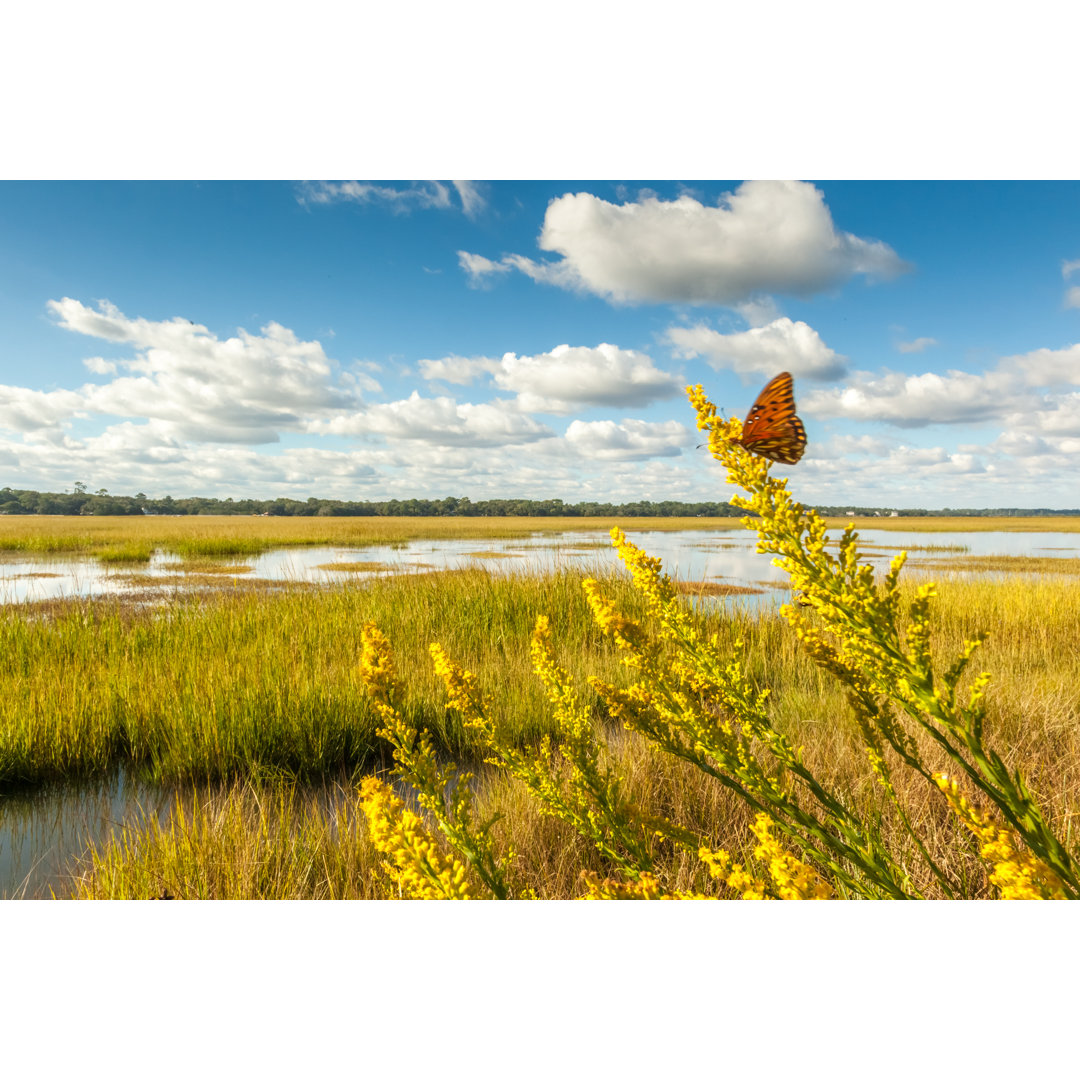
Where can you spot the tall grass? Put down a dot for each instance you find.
(1033, 717)
(270, 841)
(245, 680)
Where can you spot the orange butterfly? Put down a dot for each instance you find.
(772, 429)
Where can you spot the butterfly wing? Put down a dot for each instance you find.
(772, 429)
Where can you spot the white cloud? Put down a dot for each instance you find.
(1046, 367)
(418, 194)
(631, 440)
(766, 237)
(1058, 415)
(27, 410)
(472, 199)
(782, 345)
(99, 366)
(916, 346)
(458, 369)
(440, 421)
(1072, 296)
(567, 378)
(479, 268)
(918, 400)
(423, 194)
(574, 377)
(200, 388)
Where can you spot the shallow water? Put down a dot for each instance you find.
(43, 833)
(692, 555)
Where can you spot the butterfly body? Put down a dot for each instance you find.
(772, 430)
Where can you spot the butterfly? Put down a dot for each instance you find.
(772, 429)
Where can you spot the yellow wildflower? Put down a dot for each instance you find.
(794, 880)
(1019, 875)
(413, 861)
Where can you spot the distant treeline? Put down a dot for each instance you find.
(82, 501)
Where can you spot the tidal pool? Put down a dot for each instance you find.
(690, 555)
(43, 833)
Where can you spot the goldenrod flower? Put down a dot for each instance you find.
(1019, 875)
(794, 880)
(413, 862)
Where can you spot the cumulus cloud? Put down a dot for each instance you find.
(439, 420)
(27, 410)
(1046, 367)
(631, 440)
(99, 365)
(567, 378)
(574, 377)
(458, 369)
(916, 346)
(1057, 415)
(765, 237)
(200, 388)
(782, 345)
(918, 400)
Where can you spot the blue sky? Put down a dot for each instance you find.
(374, 340)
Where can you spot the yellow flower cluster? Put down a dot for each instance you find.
(377, 669)
(645, 888)
(1018, 874)
(794, 880)
(462, 687)
(413, 861)
(732, 874)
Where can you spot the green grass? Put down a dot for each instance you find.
(247, 679)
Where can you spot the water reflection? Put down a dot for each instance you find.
(692, 555)
(43, 833)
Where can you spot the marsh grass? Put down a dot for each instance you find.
(1040, 523)
(1005, 564)
(207, 565)
(215, 686)
(714, 588)
(250, 841)
(1033, 717)
(355, 567)
(195, 536)
(211, 535)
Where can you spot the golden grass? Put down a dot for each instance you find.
(1041, 523)
(135, 538)
(714, 588)
(354, 567)
(1007, 564)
